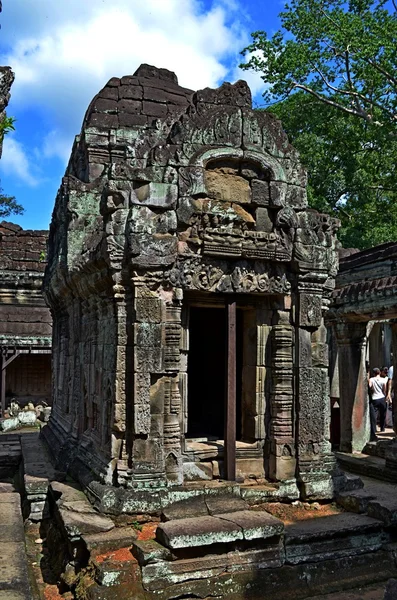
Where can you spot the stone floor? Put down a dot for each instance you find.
(372, 592)
(311, 536)
(14, 576)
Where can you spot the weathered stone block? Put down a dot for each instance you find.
(310, 310)
(158, 195)
(142, 421)
(148, 334)
(134, 92)
(154, 109)
(132, 120)
(128, 105)
(263, 220)
(305, 348)
(198, 531)
(260, 192)
(148, 310)
(196, 471)
(228, 187)
(106, 105)
(296, 197)
(278, 191)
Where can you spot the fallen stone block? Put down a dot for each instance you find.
(255, 524)
(200, 531)
(256, 494)
(110, 573)
(196, 471)
(119, 537)
(9, 424)
(27, 418)
(77, 524)
(150, 551)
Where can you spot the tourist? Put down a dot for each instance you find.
(377, 387)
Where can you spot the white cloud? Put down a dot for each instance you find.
(67, 50)
(253, 78)
(15, 162)
(56, 143)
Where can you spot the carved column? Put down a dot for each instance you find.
(172, 398)
(316, 463)
(146, 445)
(282, 460)
(354, 403)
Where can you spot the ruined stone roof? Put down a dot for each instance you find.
(137, 99)
(22, 249)
(388, 250)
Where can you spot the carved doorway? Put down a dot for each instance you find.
(207, 373)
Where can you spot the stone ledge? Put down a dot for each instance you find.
(200, 531)
(220, 529)
(255, 524)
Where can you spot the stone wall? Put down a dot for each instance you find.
(366, 288)
(171, 198)
(25, 320)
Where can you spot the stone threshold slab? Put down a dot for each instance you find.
(218, 529)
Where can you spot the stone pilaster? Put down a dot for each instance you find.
(282, 462)
(172, 397)
(316, 464)
(149, 389)
(354, 403)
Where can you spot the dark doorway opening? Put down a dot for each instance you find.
(207, 373)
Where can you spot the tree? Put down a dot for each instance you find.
(350, 176)
(8, 204)
(332, 79)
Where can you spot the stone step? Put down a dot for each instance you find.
(201, 506)
(363, 464)
(377, 448)
(218, 529)
(336, 536)
(14, 577)
(377, 499)
(76, 513)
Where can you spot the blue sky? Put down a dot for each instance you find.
(64, 51)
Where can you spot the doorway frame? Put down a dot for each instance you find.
(250, 446)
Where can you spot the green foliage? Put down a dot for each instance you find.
(332, 79)
(9, 205)
(6, 125)
(351, 172)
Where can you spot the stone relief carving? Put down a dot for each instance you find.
(221, 276)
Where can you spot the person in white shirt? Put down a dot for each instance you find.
(377, 404)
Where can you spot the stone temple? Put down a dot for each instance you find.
(187, 281)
